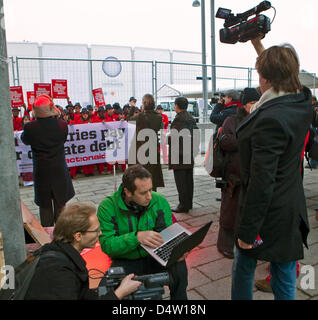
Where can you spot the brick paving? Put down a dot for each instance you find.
(209, 271)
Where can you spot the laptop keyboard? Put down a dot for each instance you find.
(165, 250)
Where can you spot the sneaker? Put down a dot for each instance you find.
(263, 285)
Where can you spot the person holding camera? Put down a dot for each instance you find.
(135, 215)
(224, 108)
(61, 272)
(272, 223)
(231, 190)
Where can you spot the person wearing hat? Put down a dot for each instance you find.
(77, 113)
(230, 194)
(52, 182)
(225, 108)
(110, 116)
(70, 110)
(100, 117)
(132, 102)
(16, 120)
(126, 110)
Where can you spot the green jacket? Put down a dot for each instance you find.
(119, 225)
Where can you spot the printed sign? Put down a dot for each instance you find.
(42, 88)
(30, 98)
(59, 89)
(99, 97)
(16, 95)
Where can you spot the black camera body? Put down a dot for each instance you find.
(239, 29)
(220, 184)
(150, 289)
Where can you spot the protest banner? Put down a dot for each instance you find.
(88, 143)
(30, 99)
(99, 97)
(16, 96)
(42, 88)
(59, 89)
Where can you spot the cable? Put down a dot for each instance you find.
(274, 15)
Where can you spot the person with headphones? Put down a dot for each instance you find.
(135, 215)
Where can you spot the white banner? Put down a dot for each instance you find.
(86, 144)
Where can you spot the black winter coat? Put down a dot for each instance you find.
(149, 119)
(272, 201)
(51, 174)
(183, 120)
(61, 274)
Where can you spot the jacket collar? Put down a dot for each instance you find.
(288, 98)
(122, 205)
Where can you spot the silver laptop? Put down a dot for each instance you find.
(177, 240)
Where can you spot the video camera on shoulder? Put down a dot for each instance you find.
(238, 28)
(150, 289)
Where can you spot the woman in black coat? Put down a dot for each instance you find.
(230, 194)
(272, 222)
(52, 182)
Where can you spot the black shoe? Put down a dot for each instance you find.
(180, 210)
(226, 254)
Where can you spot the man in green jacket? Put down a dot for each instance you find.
(135, 215)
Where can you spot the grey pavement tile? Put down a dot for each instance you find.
(307, 279)
(313, 236)
(194, 295)
(217, 269)
(216, 290)
(196, 278)
(311, 255)
(260, 295)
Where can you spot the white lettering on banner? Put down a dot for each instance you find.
(86, 144)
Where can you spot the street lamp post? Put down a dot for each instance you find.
(213, 47)
(196, 3)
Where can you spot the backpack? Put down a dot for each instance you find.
(216, 159)
(23, 275)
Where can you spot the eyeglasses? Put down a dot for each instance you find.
(96, 230)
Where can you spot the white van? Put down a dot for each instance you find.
(168, 109)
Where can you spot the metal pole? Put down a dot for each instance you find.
(10, 208)
(213, 48)
(90, 76)
(204, 67)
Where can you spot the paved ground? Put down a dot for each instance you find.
(209, 271)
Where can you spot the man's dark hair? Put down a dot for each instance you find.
(182, 103)
(131, 174)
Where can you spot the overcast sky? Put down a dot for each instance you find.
(167, 24)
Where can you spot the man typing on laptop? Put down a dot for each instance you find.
(133, 216)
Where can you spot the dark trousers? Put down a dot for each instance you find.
(178, 273)
(184, 183)
(50, 214)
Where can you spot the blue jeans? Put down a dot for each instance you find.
(283, 278)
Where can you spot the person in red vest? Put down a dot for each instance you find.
(17, 121)
(88, 170)
(77, 113)
(163, 144)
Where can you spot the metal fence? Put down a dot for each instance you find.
(121, 79)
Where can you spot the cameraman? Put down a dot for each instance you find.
(135, 215)
(225, 108)
(61, 272)
(272, 222)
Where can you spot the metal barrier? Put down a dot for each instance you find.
(121, 79)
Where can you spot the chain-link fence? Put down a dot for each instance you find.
(121, 79)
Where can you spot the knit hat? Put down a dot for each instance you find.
(248, 95)
(44, 107)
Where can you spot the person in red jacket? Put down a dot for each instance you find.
(17, 121)
(77, 113)
(88, 170)
(100, 117)
(163, 144)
